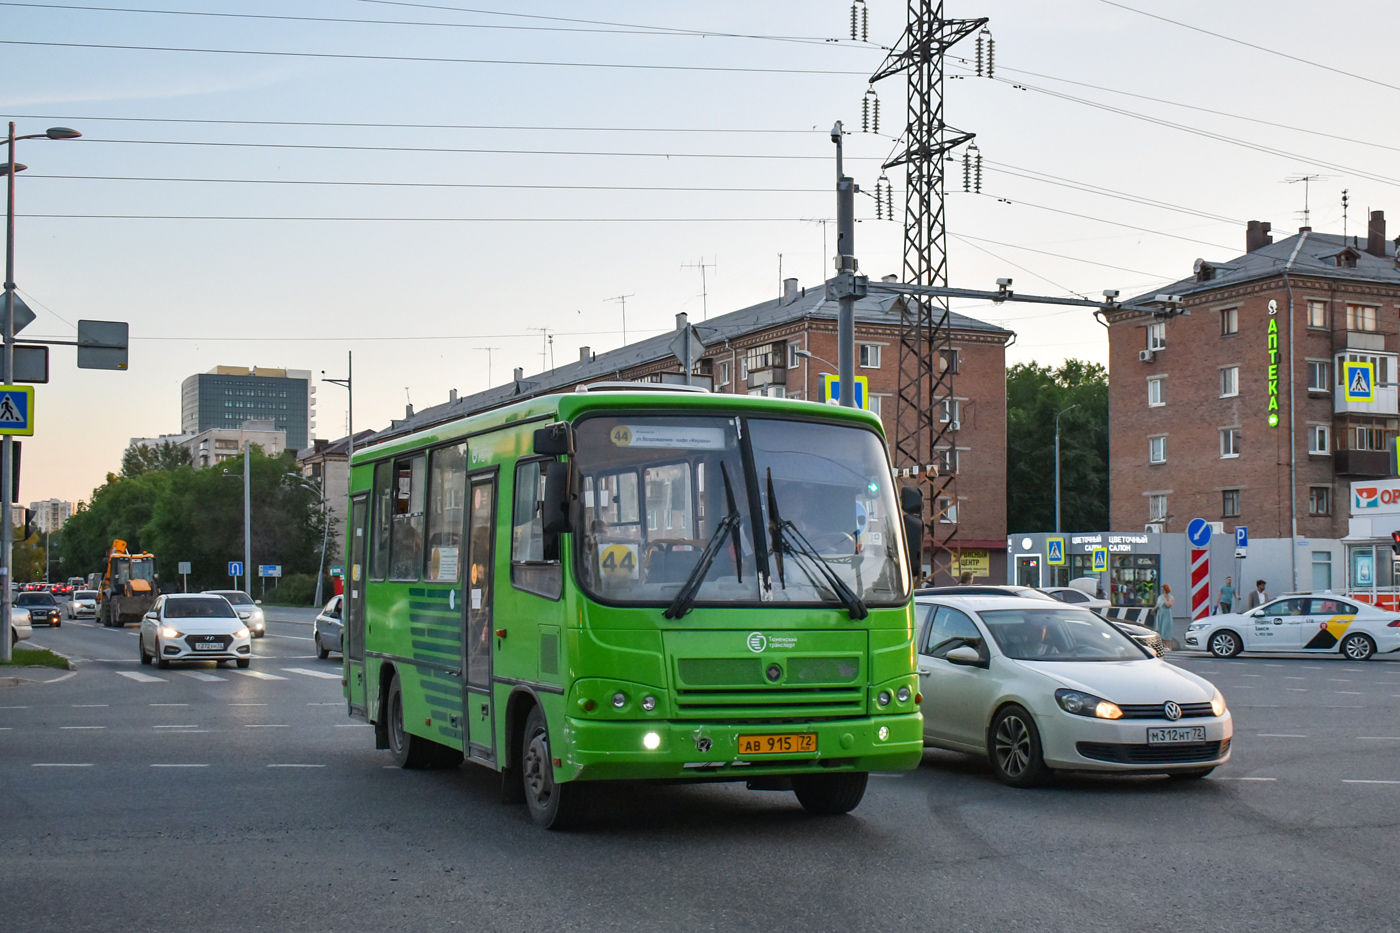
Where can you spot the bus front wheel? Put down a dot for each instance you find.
(830, 794)
(551, 805)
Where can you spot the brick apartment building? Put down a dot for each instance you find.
(753, 351)
(1236, 410)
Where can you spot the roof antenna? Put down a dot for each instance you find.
(1344, 213)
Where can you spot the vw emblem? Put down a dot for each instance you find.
(757, 642)
(1172, 710)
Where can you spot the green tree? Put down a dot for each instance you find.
(144, 458)
(1034, 394)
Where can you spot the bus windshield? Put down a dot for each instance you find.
(788, 511)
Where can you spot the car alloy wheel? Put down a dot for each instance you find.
(1012, 746)
(1358, 647)
(1224, 645)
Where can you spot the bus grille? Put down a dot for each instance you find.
(774, 703)
(738, 688)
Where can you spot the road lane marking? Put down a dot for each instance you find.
(247, 704)
(1343, 707)
(140, 677)
(1297, 689)
(1281, 735)
(265, 725)
(60, 764)
(257, 674)
(1246, 779)
(1339, 680)
(311, 673)
(14, 707)
(82, 727)
(1347, 693)
(1378, 738)
(342, 703)
(179, 766)
(89, 705)
(296, 766)
(1251, 675)
(192, 725)
(1295, 678)
(201, 675)
(167, 704)
(1359, 781)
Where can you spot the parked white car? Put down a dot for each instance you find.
(1316, 622)
(194, 627)
(20, 626)
(81, 603)
(1036, 687)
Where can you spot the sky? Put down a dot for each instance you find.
(281, 184)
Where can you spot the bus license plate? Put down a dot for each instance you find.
(800, 743)
(1173, 734)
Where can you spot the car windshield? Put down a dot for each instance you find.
(1063, 634)
(34, 599)
(215, 607)
(658, 491)
(235, 597)
(84, 594)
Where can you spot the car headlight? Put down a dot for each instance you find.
(1217, 704)
(168, 632)
(1086, 704)
(1196, 626)
(241, 633)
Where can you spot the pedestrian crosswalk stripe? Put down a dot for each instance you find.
(309, 673)
(258, 674)
(200, 675)
(141, 678)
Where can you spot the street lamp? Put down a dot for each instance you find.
(326, 535)
(1057, 464)
(7, 370)
(809, 355)
(348, 384)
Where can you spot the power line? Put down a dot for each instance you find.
(454, 220)
(534, 335)
(1152, 275)
(1016, 171)
(429, 184)
(1251, 45)
(1114, 223)
(627, 66)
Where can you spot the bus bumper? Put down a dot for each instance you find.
(600, 751)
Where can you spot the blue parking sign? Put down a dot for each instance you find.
(1242, 536)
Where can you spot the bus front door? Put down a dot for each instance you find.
(478, 630)
(354, 615)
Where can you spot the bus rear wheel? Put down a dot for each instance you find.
(551, 804)
(409, 750)
(830, 794)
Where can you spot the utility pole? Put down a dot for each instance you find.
(1057, 464)
(248, 515)
(847, 285)
(623, 300)
(704, 292)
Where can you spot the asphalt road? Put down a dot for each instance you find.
(208, 799)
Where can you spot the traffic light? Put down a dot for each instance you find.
(30, 526)
(1395, 542)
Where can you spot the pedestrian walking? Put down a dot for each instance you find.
(1227, 596)
(1258, 597)
(1162, 612)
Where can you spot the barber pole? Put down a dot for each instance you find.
(1200, 582)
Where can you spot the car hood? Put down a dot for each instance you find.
(1150, 680)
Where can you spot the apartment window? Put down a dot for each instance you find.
(870, 356)
(1361, 317)
(1157, 336)
(949, 410)
(1156, 450)
(947, 510)
(949, 360)
(1229, 321)
(947, 460)
(1319, 439)
(1319, 500)
(1317, 313)
(874, 404)
(1156, 508)
(1321, 571)
(1317, 376)
(724, 373)
(1229, 503)
(1229, 442)
(1369, 435)
(1156, 391)
(1229, 381)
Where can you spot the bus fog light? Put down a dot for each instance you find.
(884, 698)
(902, 694)
(619, 700)
(649, 704)
(883, 733)
(651, 741)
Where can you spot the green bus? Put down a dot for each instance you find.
(637, 583)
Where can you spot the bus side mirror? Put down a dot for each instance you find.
(555, 439)
(554, 509)
(911, 500)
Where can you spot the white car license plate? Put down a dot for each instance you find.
(1176, 734)
(208, 646)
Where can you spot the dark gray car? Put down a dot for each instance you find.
(328, 628)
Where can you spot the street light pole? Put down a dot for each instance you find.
(247, 519)
(1057, 464)
(7, 359)
(348, 384)
(845, 250)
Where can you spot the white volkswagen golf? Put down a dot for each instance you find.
(194, 627)
(1036, 687)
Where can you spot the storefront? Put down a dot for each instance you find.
(1126, 566)
(1371, 561)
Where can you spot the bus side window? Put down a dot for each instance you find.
(534, 557)
(383, 507)
(406, 524)
(447, 498)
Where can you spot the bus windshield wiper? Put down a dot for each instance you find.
(729, 524)
(787, 537)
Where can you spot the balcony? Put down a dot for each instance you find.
(1371, 463)
(770, 376)
(1385, 403)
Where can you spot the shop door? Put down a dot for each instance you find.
(353, 633)
(478, 635)
(1028, 570)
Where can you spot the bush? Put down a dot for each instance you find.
(297, 589)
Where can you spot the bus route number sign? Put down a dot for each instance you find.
(619, 560)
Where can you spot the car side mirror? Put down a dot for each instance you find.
(967, 656)
(153, 617)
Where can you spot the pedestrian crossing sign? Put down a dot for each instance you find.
(17, 410)
(1100, 559)
(1361, 382)
(1055, 552)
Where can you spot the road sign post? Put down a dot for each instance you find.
(1198, 533)
(235, 570)
(184, 576)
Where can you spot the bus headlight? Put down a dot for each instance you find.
(619, 699)
(884, 698)
(902, 694)
(648, 703)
